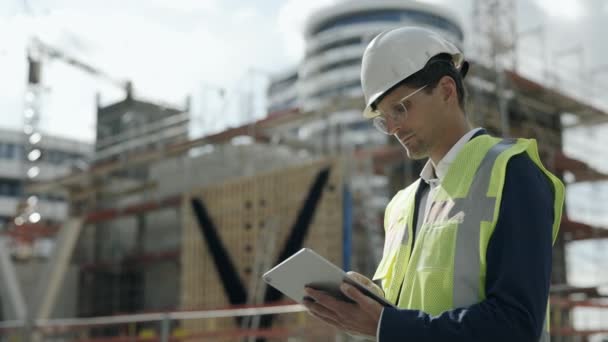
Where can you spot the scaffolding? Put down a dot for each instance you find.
(538, 110)
(103, 200)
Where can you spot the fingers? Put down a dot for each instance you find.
(328, 321)
(358, 318)
(322, 313)
(367, 304)
(327, 307)
(326, 300)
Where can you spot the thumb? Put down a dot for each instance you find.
(365, 281)
(359, 278)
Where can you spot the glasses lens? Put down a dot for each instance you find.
(380, 124)
(397, 113)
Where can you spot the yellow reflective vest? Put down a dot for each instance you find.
(446, 267)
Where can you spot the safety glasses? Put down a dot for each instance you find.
(397, 112)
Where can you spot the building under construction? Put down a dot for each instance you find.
(168, 237)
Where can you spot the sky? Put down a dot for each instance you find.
(172, 49)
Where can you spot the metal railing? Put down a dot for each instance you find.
(161, 327)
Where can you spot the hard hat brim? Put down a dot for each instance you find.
(369, 113)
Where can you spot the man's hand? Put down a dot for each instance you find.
(359, 318)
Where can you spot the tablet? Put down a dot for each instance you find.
(307, 268)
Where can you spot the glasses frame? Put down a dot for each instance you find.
(380, 122)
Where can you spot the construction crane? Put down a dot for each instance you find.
(39, 51)
(27, 216)
(42, 49)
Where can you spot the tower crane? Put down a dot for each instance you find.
(39, 52)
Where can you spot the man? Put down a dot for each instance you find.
(467, 255)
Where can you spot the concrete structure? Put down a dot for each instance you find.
(219, 164)
(132, 126)
(110, 254)
(59, 156)
(138, 254)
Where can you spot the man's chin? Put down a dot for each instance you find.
(412, 152)
(413, 155)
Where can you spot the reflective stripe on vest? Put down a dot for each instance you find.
(478, 207)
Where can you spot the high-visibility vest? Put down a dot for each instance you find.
(446, 267)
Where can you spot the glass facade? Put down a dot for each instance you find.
(12, 151)
(14, 188)
(337, 65)
(59, 157)
(391, 15)
(333, 45)
(335, 54)
(10, 187)
(337, 91)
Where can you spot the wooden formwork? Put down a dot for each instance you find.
(243, 210)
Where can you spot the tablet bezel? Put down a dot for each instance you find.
(307, 268)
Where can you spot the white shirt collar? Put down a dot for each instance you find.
(430, 170)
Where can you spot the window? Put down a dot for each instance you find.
(8, 151)
(337, 65)
(60, 157)
(358, 18)
(388, 15)
(334, 45)
(10, 188)
(335, 91)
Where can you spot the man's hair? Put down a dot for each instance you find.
(437, 67)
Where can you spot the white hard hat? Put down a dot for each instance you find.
(394, 55)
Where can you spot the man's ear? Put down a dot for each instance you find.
(447, 86)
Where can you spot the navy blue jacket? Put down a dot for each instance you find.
(518, 273)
